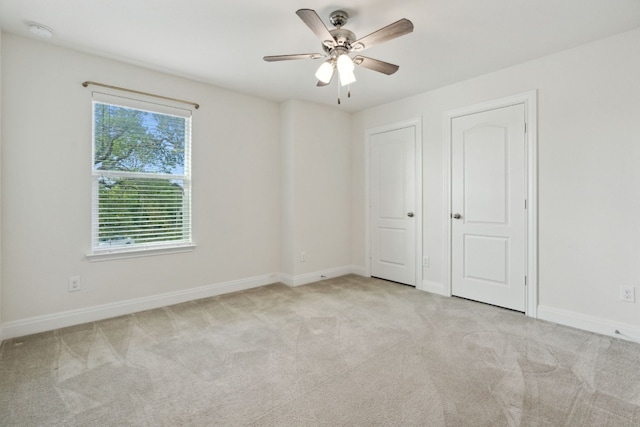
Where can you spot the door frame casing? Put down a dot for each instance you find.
(529, 99)
(416, 123)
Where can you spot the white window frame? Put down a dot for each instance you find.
(118, 252)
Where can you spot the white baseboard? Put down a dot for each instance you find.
(585, 322)
(303, 279)
(359, 270)
(63, 319)
(434, 288)
(53, 321)
(48, 322)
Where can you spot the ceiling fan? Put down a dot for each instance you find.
(339, 43)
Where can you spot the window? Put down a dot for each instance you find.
(141, 175)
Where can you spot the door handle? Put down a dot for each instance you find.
(456, 216)
(410, 214)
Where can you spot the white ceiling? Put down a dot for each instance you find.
(222, 42)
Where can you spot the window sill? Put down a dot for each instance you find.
(138, 253)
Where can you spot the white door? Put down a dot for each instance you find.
(393, 200)
(488, 241)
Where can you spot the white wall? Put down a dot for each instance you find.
(588, 168)
(287, 225)
(0, 186)
(269, 182)
(46, 186)
(316, 191)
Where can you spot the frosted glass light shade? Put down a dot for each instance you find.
(325, 72)
(347, 78)
(345, 64)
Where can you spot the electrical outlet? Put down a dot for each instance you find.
(425, 261)
(628, 293)
(74, 283)
(303, 256)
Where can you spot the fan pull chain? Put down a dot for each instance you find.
(338, 93)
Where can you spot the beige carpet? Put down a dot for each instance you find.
(350, 351)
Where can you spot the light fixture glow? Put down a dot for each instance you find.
(345, 64)
(325, 72)
(40, 30)
(347, 78)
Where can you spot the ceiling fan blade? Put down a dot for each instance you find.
(375, 65)
(313, 21)
(390, 32)
(290, 57)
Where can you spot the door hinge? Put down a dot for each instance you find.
(525, 127)
(525, 280)
(525, 204)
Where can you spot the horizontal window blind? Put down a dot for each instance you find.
(141, 176)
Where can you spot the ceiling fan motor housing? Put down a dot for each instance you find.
(343, 38)
(338, 18)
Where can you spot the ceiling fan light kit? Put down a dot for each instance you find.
(344, 64)
(347, 78)
(325, 72)
(337, 44)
